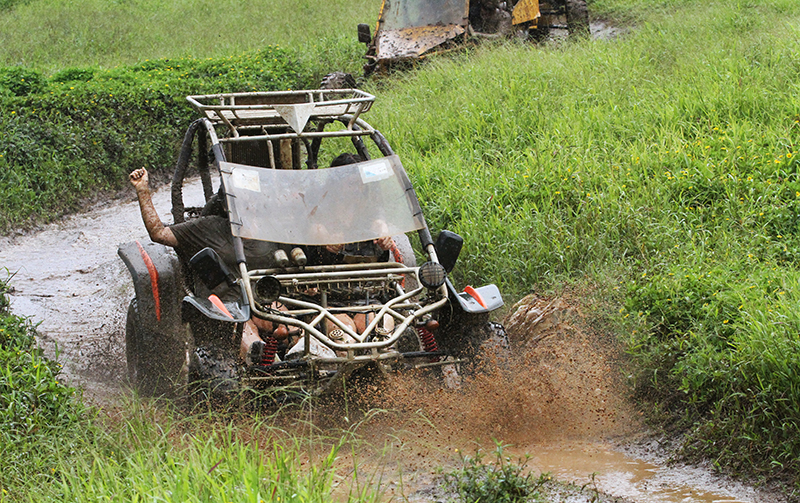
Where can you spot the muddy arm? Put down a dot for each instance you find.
(152, 222)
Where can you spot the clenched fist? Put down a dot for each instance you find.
(139, 179)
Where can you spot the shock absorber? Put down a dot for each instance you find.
(427, 339)
(270, 348)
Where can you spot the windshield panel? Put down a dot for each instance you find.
(343, 204)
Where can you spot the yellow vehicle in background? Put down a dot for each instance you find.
(408, 30)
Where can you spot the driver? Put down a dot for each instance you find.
(376, 250)
(211, 231)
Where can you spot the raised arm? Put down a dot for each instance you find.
(152, 222)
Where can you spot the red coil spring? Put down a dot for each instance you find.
(270, 348)
(428, 341)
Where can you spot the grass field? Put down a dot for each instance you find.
(660, 167)
(61, 34)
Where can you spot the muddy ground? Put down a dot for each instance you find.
(558, 400)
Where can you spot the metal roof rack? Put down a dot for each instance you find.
(279, 108)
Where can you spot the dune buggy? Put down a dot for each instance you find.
(268, 150)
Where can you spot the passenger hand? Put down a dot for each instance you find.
(334, 248)
(384, 243)
(139, 178)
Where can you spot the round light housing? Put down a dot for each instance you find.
(432, 275)
(267, 290)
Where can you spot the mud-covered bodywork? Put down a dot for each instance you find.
(408, 29)
(156, 340)
(185, 324)
(411, 29)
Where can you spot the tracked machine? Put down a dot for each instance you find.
(409, 30)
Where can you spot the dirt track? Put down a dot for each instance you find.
(557, 400)
(69, 278)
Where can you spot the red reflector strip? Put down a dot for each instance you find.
(398, 257)
(153, 279)
(475, 295)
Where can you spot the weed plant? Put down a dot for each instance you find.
(501, 481)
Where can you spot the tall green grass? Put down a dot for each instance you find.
(36, 407)
(53, 35)
(146, 451)
(154, 454)
(664, 166)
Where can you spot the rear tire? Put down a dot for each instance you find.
(144, 372)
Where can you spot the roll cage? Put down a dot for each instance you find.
(272, 130)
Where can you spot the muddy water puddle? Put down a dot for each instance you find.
(589, 471)
(600, 466)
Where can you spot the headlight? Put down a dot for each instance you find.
(432, 275)
(267, 290)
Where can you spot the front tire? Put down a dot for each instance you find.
(131, 343)
(213, 375)
(467, 335)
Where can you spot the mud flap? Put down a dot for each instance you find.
(483, 299)
(157, 339)
(237, 311)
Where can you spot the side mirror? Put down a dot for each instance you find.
(210, 268)
(448, 246)
(364, 36)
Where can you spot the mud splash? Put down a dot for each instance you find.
(556, 401)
